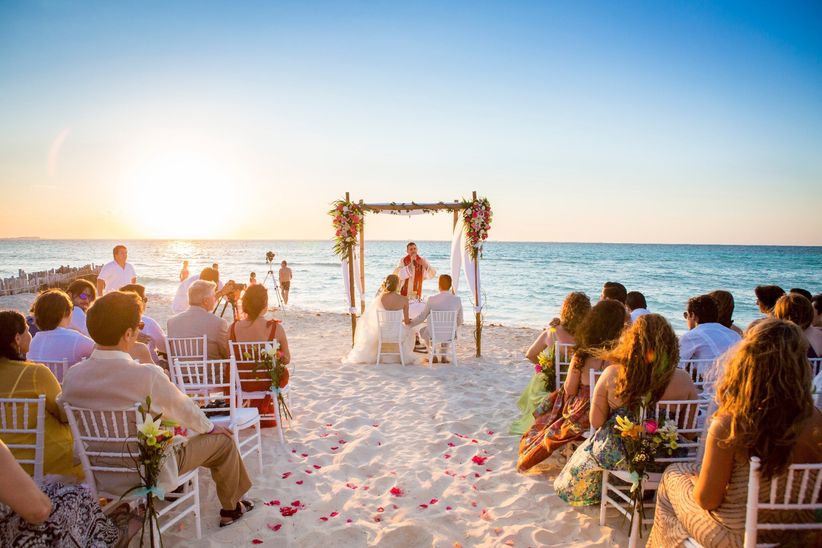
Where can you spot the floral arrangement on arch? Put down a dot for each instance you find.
(347, 220)
(477, 215)
(642, 441)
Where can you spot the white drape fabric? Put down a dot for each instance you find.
(347, 283)
(459, 258)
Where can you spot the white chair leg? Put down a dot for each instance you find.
(402, 357)
(259, 446)
(603, 504)
(198, 527)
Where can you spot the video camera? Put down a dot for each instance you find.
(231, 290)
(269, 256)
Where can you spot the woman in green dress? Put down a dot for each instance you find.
(574, 309)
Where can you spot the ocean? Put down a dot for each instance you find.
(523, 283)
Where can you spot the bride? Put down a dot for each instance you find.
(366, 336)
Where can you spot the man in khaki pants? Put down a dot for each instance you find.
(111, 379)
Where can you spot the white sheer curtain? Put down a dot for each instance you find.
(347, 282)
(459, 258)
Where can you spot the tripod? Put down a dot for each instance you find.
(270, 274)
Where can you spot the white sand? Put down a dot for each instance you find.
(361, 430)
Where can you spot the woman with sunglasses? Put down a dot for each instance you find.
(55, 341)
(82, 293)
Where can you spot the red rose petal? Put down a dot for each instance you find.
(395, 506)
(274, 526)
(446, 456)
(452, 444)
(365, 488)
(490, 432)
(334, 514)
(375, 425)
(329, 424)
(256, 541)
(489, 470)
(317, 467)
(397, 492)
(433, 501)
(423, 506)
(303, 455)
(334, 448)
(474, 503)
(293, 450)
(286, 475)
(299, 482)
(474, 441)
(349, 520)
(381, 509)
(298, 504)
(350, 485)
(476, 459)
(448, 508)
(323, 518)
(377, 519)
(341, 442)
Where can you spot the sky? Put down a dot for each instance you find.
(692, 122)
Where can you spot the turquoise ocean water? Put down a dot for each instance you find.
(524, 283)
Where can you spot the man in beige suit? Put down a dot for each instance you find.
(111, 379)
(198, 320)
(444, 300)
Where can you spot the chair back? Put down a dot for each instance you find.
(58, 367)
(23, 430)
(390, 325)
(563, 353)
(182, 349)
(443, 326)
(686, 414)
(816, 366)
(106, 441)
(698, 368)
(209, 382)
(796, 490)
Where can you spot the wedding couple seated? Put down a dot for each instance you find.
(370, 344)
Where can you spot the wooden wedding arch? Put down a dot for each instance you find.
(396, 208)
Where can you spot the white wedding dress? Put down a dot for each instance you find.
(366, 338)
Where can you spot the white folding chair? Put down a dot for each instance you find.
(684, 413)
(16, 418)
(106, 441)
(389, 323)
(442, 325)
(58, 367)
(698, 368)
(180, 349)
(245, 356)
(562, 361)
(816, 366)
(215, 381)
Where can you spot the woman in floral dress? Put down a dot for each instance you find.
(644, 366)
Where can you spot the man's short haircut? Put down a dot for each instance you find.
(209, 274)
(615, 291)
(768, 295)
(795, 308)
(135, 288)
(50, 308)
(199, 291)
(283, 263)
(444, 282)
(804, 292)
(704, 309)
(81, 286)
(117, 248)
(409, 244)
(817, 303)
(111, 316)
(635, 300)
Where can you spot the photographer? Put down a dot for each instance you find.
(198, 320)
(180, 302)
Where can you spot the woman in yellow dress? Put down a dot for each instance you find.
(22, 379)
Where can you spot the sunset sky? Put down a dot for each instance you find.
(605, 122)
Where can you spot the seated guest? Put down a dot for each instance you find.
(725, 309)
(765, 410)
(33, 515)
(644, 363)
(817, 310)
(799, 310)
(255, 328)
(574, 309)
(198, 320)
(184, 271)
(151, 333)
(22, 379)
(766, 297)
(635, 301)
(804, 292)
(707, 338)
(180, 302)
(111, 379)
(446, 301)
(614, 291)
(563, 415)
(82, 293)
(55, 341)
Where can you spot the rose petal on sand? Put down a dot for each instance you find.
(293, 450)
(286, 475)
(377, 519)
(350, 485)
(394, 506)
(329, 424)
(317, 467)
(490, 432)
(448, 508)
(476, 459)
(299, 482)
(474, 441)
(303, 455)
(451, 444)
(287, 511)
(397, 492)
(433, 501)
(474, 503)
(274, 526)
(423, 506)
(489, 470)
(334, 448)
(323, 518)
(256, 541)
(365, 488)
(486, 515)
(375, 425)
(476, 474)
(333, 514)
(341, 442)
(298, 504)
(308, 471)
(380, 509)
(446, 456)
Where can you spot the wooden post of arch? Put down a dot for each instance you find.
(476, 298)
(351, 300)
(362, 261)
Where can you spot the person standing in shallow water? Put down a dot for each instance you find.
(285, 276)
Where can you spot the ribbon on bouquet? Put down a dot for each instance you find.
(634, 481)
(158, 492)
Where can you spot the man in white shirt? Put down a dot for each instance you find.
(111, 379)
(180, 302)
(55, 341)
(117, 273)
(444, 300)
(198, 320)
(635, 301)
(707, 339)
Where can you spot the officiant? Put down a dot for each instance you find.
(412, 271)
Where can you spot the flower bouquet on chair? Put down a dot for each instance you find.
(270, 360)
(642, 440)
(155, 438)
(547, 367)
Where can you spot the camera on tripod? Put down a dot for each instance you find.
(269, 256)
(231, 292)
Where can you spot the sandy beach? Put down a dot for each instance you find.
(436, 434)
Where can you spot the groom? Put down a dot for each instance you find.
(412, 270)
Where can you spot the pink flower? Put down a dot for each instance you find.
(650, 426)
(537, 368)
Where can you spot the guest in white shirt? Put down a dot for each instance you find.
(82, 293)
(180, 302)
(55, 341)
(707, 339)
(635, 301)
(445, 300)
(117, 273)
(111, 379)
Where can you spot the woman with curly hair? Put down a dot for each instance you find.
(644, 370)
(574, 309)
(562, 417)
(765, 410)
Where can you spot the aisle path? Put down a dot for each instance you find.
(436, 436)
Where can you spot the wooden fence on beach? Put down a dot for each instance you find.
(56, 277)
